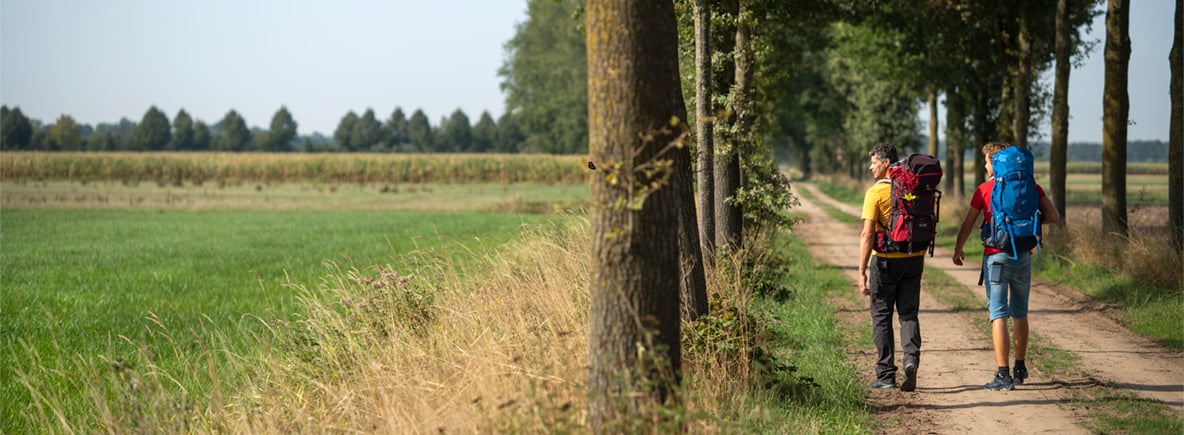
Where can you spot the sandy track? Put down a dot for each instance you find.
(957, 359)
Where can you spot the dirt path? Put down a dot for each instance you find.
(956, 357)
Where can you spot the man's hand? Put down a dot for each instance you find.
(863, 288)
(959, 257)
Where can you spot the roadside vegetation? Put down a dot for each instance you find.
(292, 306)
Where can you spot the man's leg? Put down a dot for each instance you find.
(883, 295)
(1020, 280)
(999, 336)
(997, 302)
(908, 303)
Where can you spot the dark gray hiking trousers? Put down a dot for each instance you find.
(895, 284)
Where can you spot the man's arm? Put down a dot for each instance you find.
(964, 233)
(1048, 211)
(866, 239)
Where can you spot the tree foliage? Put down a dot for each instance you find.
(183, 133)
(455, 134)
(419, 131)
(234, 133)
(484, 134)
(366, 134)
(344, 134)
(282, 132)
(64, 135)
(153, 132)
(396, 130)
(545, 78)
(15, 129)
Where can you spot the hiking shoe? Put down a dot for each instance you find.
(1001, 382)
(883, 385)
(910, 378)
(1021, 373)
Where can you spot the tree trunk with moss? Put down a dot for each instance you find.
(636, 119)
(1115, 114)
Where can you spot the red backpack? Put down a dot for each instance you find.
(916, 203)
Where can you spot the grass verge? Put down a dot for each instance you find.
(495, 341)
(811, 386)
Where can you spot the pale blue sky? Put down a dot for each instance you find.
(101, 60)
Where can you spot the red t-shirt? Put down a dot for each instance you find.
(981, 200)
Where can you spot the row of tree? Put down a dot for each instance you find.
(155, 132)
(829, 78)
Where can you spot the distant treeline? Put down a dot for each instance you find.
(1146, 151)
(1136, 151)
(365, 133)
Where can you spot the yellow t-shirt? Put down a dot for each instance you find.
(877, 203)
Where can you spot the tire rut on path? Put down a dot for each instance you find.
(956, 356)
(1075, 323)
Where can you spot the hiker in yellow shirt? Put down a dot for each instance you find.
(891, 280)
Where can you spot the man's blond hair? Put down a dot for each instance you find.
(993, 147)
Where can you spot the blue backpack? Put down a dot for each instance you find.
(1015, 221)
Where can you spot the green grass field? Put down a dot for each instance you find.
(92, 283)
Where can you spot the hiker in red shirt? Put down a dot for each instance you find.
(1007, 272)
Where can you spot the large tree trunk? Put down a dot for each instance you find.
(1115, 113)
(1060, 110)
(1176, 132)
(933, 123)
(633, 94)
(1023, 82)
(728, 220)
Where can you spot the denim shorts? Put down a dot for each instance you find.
(1008, 280)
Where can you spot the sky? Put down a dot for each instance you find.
(101, 60)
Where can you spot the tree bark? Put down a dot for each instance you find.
(633, 95)
(981, 114)
(1060, 110)
(1023, 82)
(955, 141)
(705, 126)
(1176, 131)
(933, 123)
(728, 219)
(692, 280)
(1115, 114)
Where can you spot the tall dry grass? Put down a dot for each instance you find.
(497, 345)
(1144, 253)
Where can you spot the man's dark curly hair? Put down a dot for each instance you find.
(884, 151)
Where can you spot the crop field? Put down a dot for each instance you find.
(1084, 189)
(98, 271)
(180, 168)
